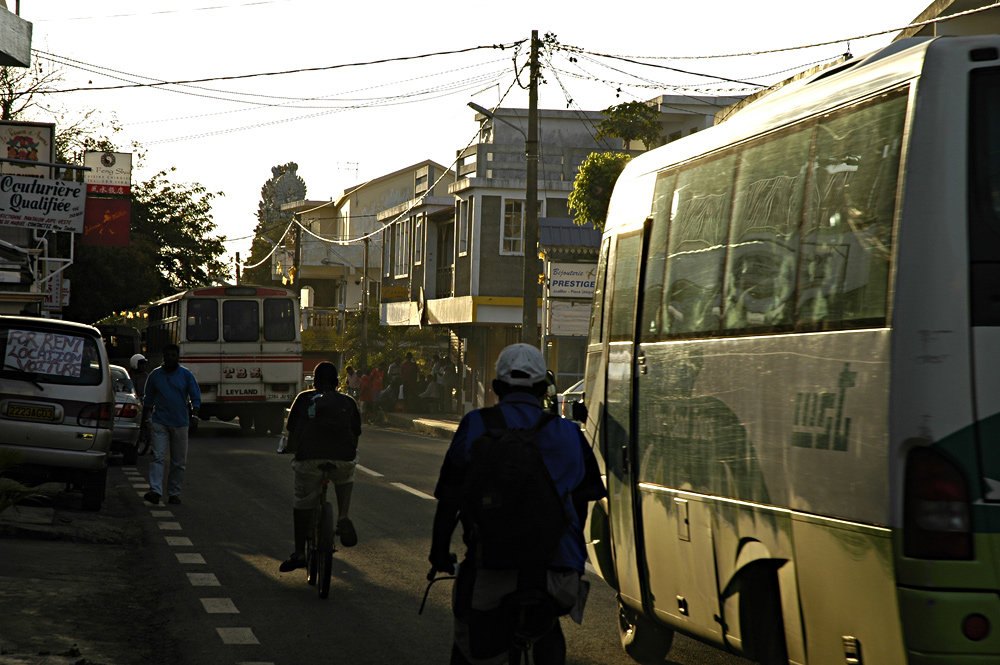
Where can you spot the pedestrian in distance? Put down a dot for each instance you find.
(408, 375)
(522, 523)
(323, 427)
(353, 382)
(139, 372)
(173, 395)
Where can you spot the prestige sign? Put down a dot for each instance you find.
(40, 203)
(572, 280)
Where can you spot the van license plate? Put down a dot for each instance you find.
(31, 412)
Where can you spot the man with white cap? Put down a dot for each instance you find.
(480, 592)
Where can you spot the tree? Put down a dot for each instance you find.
(630, 121)
(20, 88)
(171, 248)
(284, 186)
(593, 185)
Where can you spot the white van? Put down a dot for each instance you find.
(56, 403)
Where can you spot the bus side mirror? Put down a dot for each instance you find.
(579, 412)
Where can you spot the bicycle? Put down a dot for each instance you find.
(320, 544)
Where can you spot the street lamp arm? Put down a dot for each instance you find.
(492, 116)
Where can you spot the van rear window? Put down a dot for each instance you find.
(50, 356)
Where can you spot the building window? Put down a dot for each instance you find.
(511, 242)
(418, 240)
(513, 226)
(402, 232)
(465, 216)
(387, 251)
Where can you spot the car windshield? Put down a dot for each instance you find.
(575, 388)
(46, 355)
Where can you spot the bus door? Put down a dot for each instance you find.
(241, 352)
(201, 344)
(617, 427)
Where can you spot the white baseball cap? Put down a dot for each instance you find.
(520, 365)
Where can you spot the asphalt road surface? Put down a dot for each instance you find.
(217, 590)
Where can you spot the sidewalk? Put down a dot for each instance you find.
(431, 424)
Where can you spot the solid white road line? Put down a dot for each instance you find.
(368, 471)
(409, 489)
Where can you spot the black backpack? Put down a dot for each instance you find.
(511, 509)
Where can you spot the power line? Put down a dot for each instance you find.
(165, 11)
(283, 72)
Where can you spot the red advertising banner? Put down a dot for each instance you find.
(106, 222)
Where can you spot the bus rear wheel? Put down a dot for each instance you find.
(644, 641)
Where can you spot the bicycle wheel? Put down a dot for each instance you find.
(324, 551)
(311, 561)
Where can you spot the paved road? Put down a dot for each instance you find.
(220, 550)
(199, 583)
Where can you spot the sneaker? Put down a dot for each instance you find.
(294, 563)
(348, 536)
(152, 497)
(174, 500)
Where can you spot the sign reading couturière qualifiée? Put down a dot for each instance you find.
(41, 203)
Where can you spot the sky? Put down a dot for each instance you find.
(291, 83)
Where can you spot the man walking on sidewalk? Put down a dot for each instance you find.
(168, 389)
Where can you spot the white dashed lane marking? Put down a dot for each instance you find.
(237, 636)
(169, 526)
(368, 471)
(189, 557)
(178, 541)
(219, 606)
(161, 513)
(203, 579)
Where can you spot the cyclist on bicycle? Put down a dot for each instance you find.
(323, 426)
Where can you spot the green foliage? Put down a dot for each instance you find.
(170, 249)
(593, 186)
(630, 121)
(284, 186)
(386, 343)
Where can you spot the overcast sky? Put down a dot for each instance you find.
(347, 122)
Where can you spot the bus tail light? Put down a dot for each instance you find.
(97, 415)
(937, 523)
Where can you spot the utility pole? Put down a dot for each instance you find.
(364, 309)
(237, 268)
(529, 318)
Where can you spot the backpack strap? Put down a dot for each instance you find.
(493, 418)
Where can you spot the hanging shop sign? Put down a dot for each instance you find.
(110, 172)
(40, 203)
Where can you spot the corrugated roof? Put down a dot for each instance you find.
(564, 232)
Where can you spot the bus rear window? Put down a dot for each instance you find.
(202, 320)
(240, 320)
(279, 320)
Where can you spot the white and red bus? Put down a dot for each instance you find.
(242, 343)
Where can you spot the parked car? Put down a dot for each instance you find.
(56, 403)
(128, 416)
(566, 398)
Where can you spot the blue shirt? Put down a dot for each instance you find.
(567, 456)
(167, 394)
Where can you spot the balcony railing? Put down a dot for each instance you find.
(443, 285)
